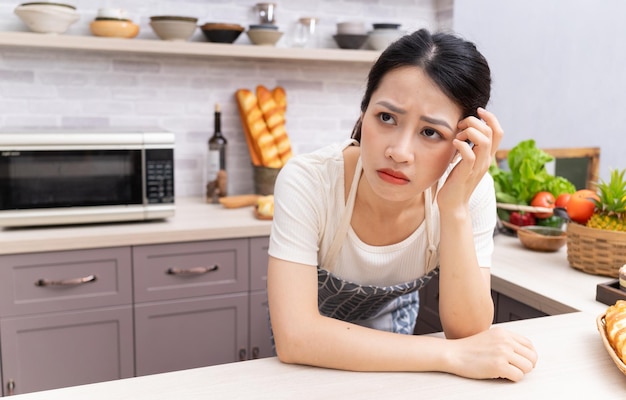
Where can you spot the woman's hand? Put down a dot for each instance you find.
(485, 134)
(495, 353)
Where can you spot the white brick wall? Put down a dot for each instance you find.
(41, 88)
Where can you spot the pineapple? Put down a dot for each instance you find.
(610, 212)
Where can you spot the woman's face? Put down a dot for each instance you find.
(407, 134)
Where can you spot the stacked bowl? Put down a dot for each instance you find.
(264, 34)
(350, 35)
(113, 22)
(176, 28)
(44, 17)
(383, 35)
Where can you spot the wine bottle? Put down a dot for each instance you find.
(217, 178)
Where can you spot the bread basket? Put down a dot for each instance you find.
(595, 251)
(607, 345)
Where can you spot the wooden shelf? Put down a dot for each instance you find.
(199, 49)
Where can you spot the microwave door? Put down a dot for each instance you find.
(70, 178)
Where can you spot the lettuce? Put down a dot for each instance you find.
(527, 175)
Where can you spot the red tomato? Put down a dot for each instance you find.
(562, 200)
(543, 199)
(581, 205)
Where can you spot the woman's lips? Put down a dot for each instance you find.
(391, 176)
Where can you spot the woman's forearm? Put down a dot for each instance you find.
(465, 303)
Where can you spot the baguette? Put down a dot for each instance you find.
(243, 200)
(261, 143)
(275, 119)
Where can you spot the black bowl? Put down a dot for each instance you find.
(221, 33)
(386, 26)
(353, 42)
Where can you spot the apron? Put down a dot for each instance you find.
(390, 308)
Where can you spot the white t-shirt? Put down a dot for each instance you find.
(309, 201)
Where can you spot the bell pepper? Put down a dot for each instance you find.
(521, 218)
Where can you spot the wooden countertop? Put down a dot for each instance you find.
(572, 363)
(194, 220)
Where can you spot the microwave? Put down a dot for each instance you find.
(60, 177)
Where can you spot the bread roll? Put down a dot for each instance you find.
(265, 206)
(261, 143)
(615, 319)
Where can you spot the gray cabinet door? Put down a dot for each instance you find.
(260, 337)
(190, 333)
(66, 349)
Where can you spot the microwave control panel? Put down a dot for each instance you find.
(159, 176)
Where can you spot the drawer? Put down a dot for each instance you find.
(183, 270)
(258, 262)
(65, 280)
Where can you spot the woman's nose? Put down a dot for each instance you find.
(401, 150)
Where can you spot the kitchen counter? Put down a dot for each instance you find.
(544, 281)
(572, 363)
(194, 220)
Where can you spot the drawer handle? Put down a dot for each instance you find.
(66, 282)
(192, 271)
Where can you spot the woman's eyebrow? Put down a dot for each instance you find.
(391, 107)
(424, 118)
(435, 121)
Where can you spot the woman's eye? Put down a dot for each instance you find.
(386, 118)
(428, 132)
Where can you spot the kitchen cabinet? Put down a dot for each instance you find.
(505, 309)
(260, 342)
(196, 49)
(191, 304)
(81, 316)
(65, 318)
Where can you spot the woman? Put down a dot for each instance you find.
(360, 226)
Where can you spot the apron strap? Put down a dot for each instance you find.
(328, 262)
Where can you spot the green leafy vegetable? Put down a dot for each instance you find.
(527, 175)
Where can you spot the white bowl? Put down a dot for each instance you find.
(47, 18)
(264, 37)
(173, 28)
(351, 28)
(380, 39)
(113, 13)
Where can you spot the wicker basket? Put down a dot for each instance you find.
(595, 251)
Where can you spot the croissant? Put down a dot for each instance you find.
(615, 319)
(261, 143)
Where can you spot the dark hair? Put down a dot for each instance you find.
(454, 64)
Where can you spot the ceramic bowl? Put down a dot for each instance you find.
(221, 33)
(54, 18)
(173, 27)
(112, 28)
(264, 37)
(112, 13)
(379, 39)
(351, 28)
(385, 25)
(350, 41)
(264, 26)
(542, 238)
